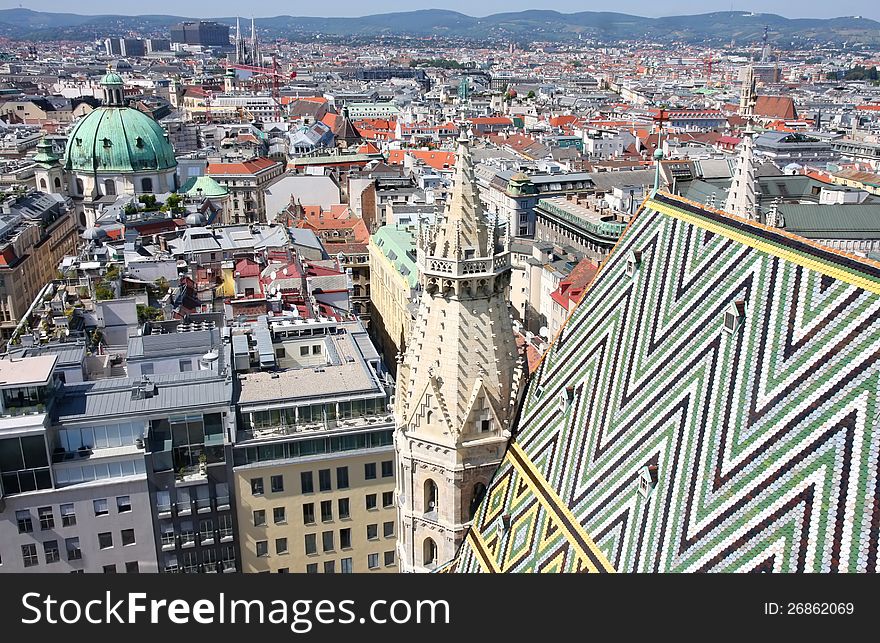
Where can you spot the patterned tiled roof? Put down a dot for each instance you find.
(654, 439)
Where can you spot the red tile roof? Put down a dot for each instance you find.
(434, 159)
(252, 166)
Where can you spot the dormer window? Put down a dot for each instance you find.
(107, 142)
(633, 261)
(647, 480)
(734, 316)
(79, 141)
(139, 142)
(566, 397)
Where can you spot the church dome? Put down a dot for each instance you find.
(117, 138)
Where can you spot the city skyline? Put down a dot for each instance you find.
(349, 9)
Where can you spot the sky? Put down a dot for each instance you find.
(217, 8)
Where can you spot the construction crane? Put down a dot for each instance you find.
(274, 73)
(709, 62)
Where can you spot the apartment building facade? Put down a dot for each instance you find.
(313, 465)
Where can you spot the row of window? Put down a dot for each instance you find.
(325, 480)
(343, 510)
(71, 545)
(345, 566)
(46, 515)
(328, 540)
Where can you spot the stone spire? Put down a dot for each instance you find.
(748, 95)
(742, 198)
(256, 58)
(459, 378)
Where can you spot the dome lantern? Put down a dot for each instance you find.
(113, 89)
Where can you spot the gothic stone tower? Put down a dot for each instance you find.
(458, 380)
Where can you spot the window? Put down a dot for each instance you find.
(279, 515)
(105, 540)
(372, 561)
(257, 486)
(312, 568)
(389, 557)
(29, 554)
(284, 570)
(345, 538)
(324, 480)
(303, 351)
(387, 499)
(25, 525)
(326, 510)
(72, 547)
(109, 569)
(101, 507)
(345, 566)
(387, 468)
(185, 365)
(47, 518)
(633, 260)
(260, 518)
(50, 549)
(311, 544)
(146, 369)
(370, 471)
(388, 529)
(277, 483)
(281, 545)
(132, 567)
(123, 504)
(316, 349)
(372, 532)
(344, 512)
(342, 477)
(307, 482)
(309, 513)
(127, 537)
(163, 501)
(262, 548)
(430, 496)
(146, 183)
(371, 501)
(330, 567)
(327, 540)
(429, 552)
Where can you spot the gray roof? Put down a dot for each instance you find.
(178, 392)
(69, 354)
(305, 238)
(151, 346)
(843, 221)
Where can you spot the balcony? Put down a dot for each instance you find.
(226, 535)
(203, 505)
(164, 510)
(228, 566)
(191, 475)
(187, 539)
(168, 541)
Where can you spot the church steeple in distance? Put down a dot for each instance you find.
(460, 377)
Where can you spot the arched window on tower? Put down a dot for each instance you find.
(43, 185)
(57, 183)
(147, 185)
(479, 492)
(429, 552)
(80, 188)
(109, 187)
(431, 496)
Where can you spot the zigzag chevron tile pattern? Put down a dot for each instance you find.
(655, 439)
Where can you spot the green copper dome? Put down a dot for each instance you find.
(112, 78)
(208, 186)
(118, 139)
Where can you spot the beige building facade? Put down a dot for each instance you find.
(324, 514)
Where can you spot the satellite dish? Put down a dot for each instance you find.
(544, 332)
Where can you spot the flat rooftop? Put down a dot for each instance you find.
(28, 371)
(347, 375)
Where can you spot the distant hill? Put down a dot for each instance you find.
(534, 25)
